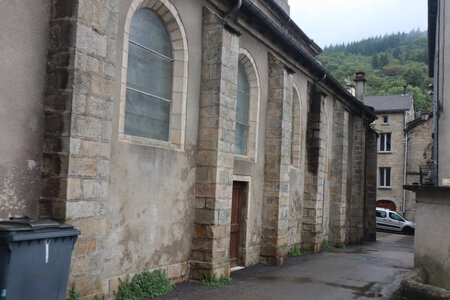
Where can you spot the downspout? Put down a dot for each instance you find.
(435, 99)
(404, 164)
(234, 9)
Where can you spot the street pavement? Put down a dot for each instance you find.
(368, 271)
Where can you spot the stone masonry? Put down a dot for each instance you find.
(338, 175)
(370, 190)
(277, 161)
(215, 156)
(355, 210)
(78, 115)
(314, 170)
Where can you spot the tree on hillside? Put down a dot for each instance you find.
(389, 61)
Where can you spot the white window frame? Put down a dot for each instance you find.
(387, 119)
(385, 134)
(384, 175)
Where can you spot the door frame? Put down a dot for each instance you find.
(244, 234)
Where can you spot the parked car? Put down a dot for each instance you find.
(390, 220)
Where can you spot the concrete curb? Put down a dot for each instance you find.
(414, 287)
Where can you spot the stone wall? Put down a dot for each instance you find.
(214, 179)
(168, 204)
(355, 202)
(314, 170)
(420, 150)
(78, 115)
(370, 191)
(338, 176)
(274, 244)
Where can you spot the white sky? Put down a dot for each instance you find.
(336, 21)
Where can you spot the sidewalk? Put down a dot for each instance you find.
(372, 270)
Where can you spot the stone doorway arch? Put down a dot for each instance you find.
(387, 204)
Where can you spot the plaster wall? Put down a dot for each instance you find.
(393, 159)
(151, 194)
(23, 48)
(432, 238)
(444, 94)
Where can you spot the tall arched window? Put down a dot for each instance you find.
(149, 77)
(296, 129)
(242, 112)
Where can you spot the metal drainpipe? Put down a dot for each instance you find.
(404, 167)
(234, 9)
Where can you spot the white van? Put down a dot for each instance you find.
(390, 220)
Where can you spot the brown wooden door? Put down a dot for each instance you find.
(238, 193)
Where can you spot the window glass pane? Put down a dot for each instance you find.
(388, 142)
(242, 108)
(243, 84)
(148, 30)
(146, 116)
(388, 176)
(240, 143)
(242, 112)
(149, 72)
(382, 141)
(381, 176)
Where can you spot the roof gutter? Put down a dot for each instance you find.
(234, 9)
(310, 62)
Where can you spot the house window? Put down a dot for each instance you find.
(242, 112)
(149, 77)
(385, 142)
(385, 177)
(385, 119)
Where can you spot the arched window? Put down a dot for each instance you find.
(296, 128)
(242, 112)
(149, 77)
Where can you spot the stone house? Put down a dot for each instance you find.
(188, 135)
(393, 112)
(419, 159)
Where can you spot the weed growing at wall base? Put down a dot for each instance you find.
(212, 281)
(74, 294)
(325, 245)
(144, 285)
(264, 262)
(296, 251)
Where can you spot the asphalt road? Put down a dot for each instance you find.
(372, 270)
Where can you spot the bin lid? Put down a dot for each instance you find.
(27, 224)
(20, 229)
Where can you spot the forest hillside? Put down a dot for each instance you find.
(389, 62)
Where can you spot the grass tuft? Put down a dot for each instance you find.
(144, 285)
(212, 281)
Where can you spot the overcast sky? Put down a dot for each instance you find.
(336, 21)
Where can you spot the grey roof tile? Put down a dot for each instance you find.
(395, 102)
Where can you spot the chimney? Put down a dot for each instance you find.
(404, 90)
(360, 80)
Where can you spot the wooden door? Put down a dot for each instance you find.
(238, 194)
